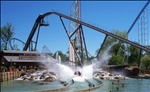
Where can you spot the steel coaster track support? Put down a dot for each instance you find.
(139, 57)
(81, 45)
(138, 16)
(136, 19)
(101, 46)
(38, 20)
(75, 31)
(84, 42)
(70, 40)
(37, 37)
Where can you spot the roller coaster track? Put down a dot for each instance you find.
(10, 43)
(41, 17)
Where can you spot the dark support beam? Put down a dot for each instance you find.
(70, 39)
(64, 27)
(81, 46)
(38, 20)
(135, 21)
(37, 38)
(75, 31)
(139, 57)
(101, 46)
(84, 43)
(138, 16)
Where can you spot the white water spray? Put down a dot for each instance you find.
(64, 71)
(104, 58)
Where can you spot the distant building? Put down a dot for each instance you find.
(20, 58)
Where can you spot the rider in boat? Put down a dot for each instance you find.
(77, 73)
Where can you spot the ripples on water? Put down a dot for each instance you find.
(133, 85)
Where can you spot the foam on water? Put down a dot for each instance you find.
(19, 78)
(79, 78)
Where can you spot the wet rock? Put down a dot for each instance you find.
(131, 71)
(22, 74)
(110, 74)
(65, 84)
(101, 78)
(116, 77)
(50, 79)
(31, 78)
(25, 79)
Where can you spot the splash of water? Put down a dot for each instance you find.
(61, 70)
(64, 71)
(87, 71)
(104, 58)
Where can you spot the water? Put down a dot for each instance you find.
(15, 86)
(18, 86)
(133, 85)
(140, 85)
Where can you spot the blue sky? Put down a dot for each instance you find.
(108, 15)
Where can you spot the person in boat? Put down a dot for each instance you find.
(75, 73)
(79, 73)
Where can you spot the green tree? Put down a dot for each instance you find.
(147, 53)
(133, 57)
(7, 31)
(116, 60)
(145, 62)
(119, 48)
(115, 49)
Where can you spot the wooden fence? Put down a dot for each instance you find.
(10, 75)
